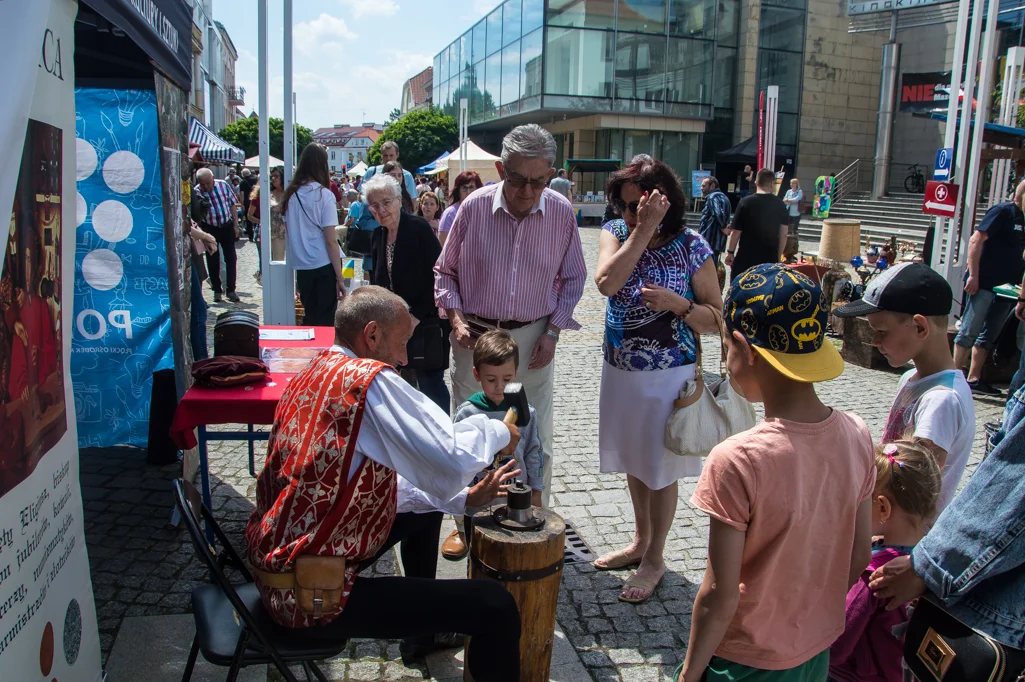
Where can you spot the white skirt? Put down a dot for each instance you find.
(633, 410)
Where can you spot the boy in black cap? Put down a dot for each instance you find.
(907, 307)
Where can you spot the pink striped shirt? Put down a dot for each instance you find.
(495, 267)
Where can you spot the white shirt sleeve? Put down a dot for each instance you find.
(412, 499)
(938, 417)
(328, 209)
(404, 430)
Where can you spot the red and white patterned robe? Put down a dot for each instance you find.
(304, 503)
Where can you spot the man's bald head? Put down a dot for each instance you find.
(205, 177)
(374, 323)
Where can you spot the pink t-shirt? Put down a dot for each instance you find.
(794, 489)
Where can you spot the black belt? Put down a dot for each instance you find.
(502, 324)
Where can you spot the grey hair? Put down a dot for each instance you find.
(382, 182)
(204, 173)
(530, 141)
(367, 304)
(390, 144)
(351, 194)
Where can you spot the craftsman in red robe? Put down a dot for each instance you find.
(34, 347)
(344, 431)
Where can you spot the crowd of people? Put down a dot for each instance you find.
(821, 532)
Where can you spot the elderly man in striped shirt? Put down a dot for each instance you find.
(513, 260)
(221, 220)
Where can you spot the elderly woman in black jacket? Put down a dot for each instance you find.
(404, 251)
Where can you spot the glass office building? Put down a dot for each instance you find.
(638, 62)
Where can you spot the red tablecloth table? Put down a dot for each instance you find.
(252, 404)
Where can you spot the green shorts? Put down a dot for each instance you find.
(721, 670)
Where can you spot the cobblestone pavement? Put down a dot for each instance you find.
(140, 567)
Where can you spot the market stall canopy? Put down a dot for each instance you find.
(476, 160)
(162, 28)
(254, 162)
(433, 165)
(359, 169)
(747, 152)
(992, 133)
(213, 148)
(592, 165)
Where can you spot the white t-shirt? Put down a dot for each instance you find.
(305, 229)
(939, 408)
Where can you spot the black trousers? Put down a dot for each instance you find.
(419, 606)
(318, 291)
(225, 236)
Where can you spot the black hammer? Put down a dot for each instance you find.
(516, 400)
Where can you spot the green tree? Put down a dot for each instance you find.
(422, 135)
(395, 115)
(245, 134)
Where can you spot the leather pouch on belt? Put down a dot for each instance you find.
(319, 581)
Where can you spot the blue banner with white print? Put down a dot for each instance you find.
(122, 322)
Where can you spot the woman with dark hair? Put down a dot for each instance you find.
(310, 216)
(394, 169)
(430, 210)
(466, 184)
(277, 226)
(663, 293)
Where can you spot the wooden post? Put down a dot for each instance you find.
(529, 564)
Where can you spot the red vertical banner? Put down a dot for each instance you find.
(761, 130)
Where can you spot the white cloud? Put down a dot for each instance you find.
(361, 8)
(325, 33)
(478, 8)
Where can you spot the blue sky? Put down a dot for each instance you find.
(350, 57)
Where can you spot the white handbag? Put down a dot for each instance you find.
(710, 409)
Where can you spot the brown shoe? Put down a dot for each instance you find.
(454, 548)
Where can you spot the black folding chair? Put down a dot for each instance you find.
(232, 627)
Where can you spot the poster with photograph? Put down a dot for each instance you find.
(47, 614)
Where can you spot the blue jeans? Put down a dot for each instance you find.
(197, 325)
(1018, 380)
(985, 315)
(432, 384)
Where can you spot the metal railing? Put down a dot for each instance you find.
(236, 94)
(846, 182)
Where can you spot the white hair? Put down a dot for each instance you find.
(365, 305)
(530, 141)
(382, 182)
(204, 173)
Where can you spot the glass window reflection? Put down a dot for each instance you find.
(480, 99)
(692, 18)
(533, 15)
(511, 73)
(640, 67)
(530, 63)
(727, 22)
(479, 41)
(494, 31)
(646, 16)
(690, 71)
(725, 67)
(578, 63)
(493, 84)
(510, 21)
(783, 69)
(781, 29)
(464, 52)
(582, 13)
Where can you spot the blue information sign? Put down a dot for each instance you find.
(944, 158)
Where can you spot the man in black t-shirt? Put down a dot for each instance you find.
(994, 258)
(760, 225)
(246, 189)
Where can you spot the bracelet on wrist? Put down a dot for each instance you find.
(552, 333)
(1021, 300)
(690, 309)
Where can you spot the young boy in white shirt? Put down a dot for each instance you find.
(907, 307)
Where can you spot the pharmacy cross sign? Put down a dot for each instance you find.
(940, 198)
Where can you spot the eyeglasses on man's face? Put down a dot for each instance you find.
(518, 181)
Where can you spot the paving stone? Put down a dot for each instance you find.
(625, 656)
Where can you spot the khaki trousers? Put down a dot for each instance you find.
(538, 384)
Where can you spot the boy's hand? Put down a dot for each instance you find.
(493, 485)
(535, 498)
(514, 440)
(1019, 311)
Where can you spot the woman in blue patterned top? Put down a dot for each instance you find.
(657, 274)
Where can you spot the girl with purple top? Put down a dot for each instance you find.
(466, 184)
(907, 490)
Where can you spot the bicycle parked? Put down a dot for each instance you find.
(915, 181)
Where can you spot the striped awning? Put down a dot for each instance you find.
(213, 148)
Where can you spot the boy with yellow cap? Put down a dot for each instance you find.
(789, 500)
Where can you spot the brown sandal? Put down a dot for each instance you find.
(614, 561)
(635, 581)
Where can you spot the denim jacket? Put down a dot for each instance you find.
(974, 557)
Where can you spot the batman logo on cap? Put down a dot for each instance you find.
(806, 330)
(799, 301)
(752, 280)
(778, 339)
(749, 323)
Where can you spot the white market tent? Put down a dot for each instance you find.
(476, 160)
(254, 162)
(359, 169)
